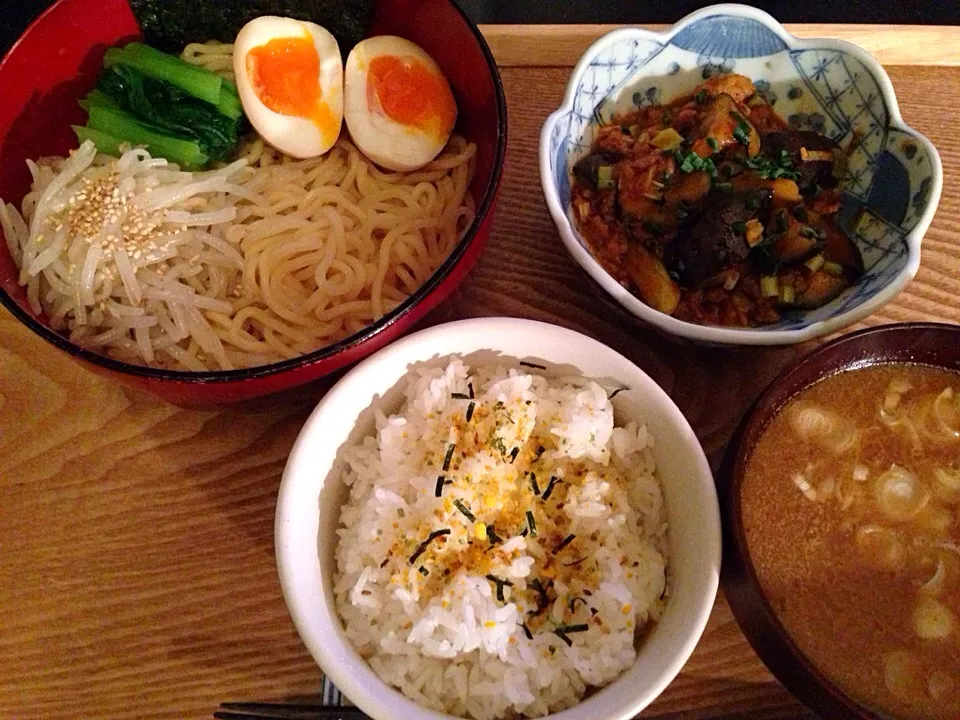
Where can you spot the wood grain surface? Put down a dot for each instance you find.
(562, 45)
(137, 574)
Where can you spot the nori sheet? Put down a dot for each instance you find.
(169, 25)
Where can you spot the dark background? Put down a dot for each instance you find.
(15, 14)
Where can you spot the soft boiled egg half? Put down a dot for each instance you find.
(399, 107)
(290, 80)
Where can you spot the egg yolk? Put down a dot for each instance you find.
(285, 74)
(412, 94)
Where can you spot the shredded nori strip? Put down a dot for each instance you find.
(459, 396)
(448, 457)
(532, 365)
(171, 24)
(533, 483)
(532, 524)
(540, 451)
(500, 585)
(575, 562)
(441, 481)
(492, 534)
(573, 603)
(616, 392)
(563, 543)
(562, 631)
(423, 571)
(543, 599)
(423, 546)
(465, 510)
(384, 563)
(514, 453)
(546, 493)
(470, 408)
(526, 631)
(470, 389)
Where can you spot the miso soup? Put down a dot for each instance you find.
(851, 511)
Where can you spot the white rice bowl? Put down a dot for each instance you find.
(500, 617)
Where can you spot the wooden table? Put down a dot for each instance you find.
(137, 574)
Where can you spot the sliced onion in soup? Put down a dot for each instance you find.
(902, 674)
(947, 484)
(932, 620)
(899, 494)
(823, 427)
(881, 547)
(947, 414)
(944, 576)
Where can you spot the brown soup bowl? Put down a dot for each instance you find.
(930, 344)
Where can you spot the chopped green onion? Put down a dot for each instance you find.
(724, 187)
(690, 161)
(533, 482)
(769, 286)
(787, 294)
(815, 263)
(742, 132)
(605, 177)
(448, 457)
(835, 269)
(701, 97)
(739, 227)
(563, 543)
(421, 548)
(531, 523)
(712, 142)
(459, 505)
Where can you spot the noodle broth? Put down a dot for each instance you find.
(851, 514)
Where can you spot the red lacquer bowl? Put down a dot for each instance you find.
(58, 60)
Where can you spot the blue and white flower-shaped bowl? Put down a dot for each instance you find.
(894, 176)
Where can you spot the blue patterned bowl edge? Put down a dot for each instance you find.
(805, 328)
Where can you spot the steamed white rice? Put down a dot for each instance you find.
(488, 620)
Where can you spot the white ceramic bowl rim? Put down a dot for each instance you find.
(307, 592)
(722, 335)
